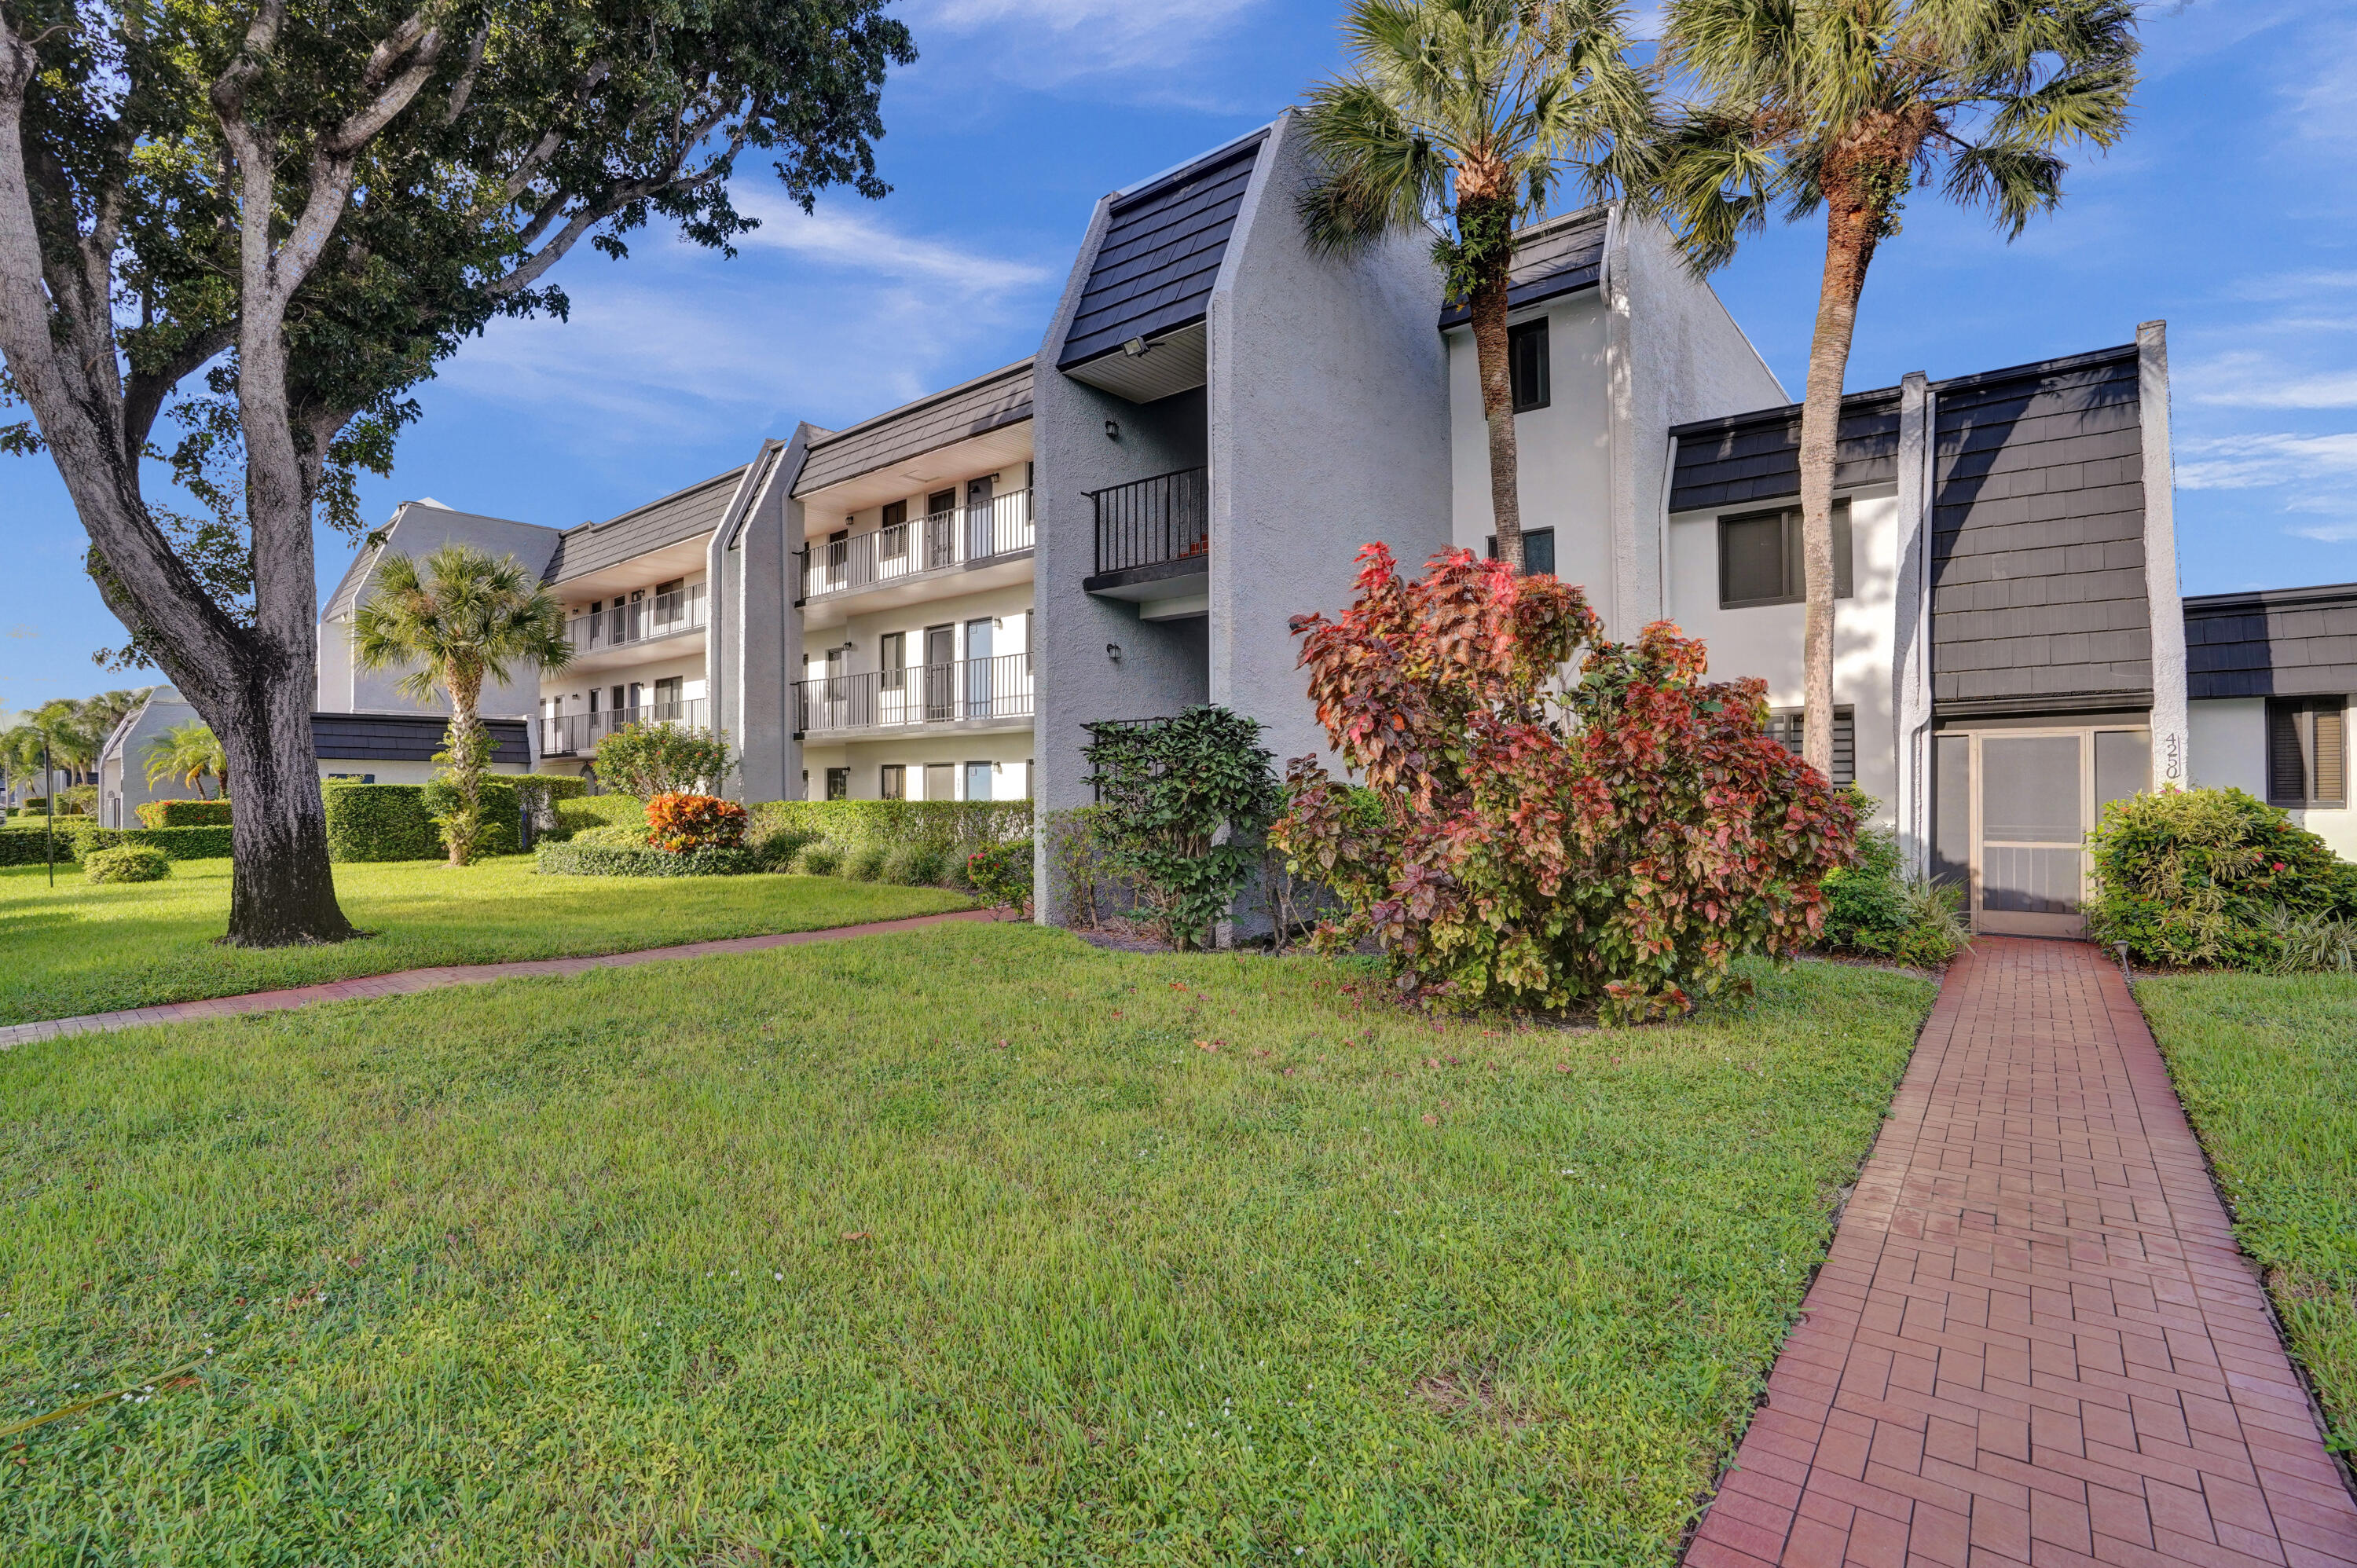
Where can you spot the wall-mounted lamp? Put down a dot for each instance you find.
(1112, 429)
(1113, 651)
(1135, 348)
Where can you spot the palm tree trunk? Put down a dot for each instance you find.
(465, 752)
(1849, 245)
(1488, 304)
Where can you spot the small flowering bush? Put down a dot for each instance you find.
(2201, 876)
(1001, 874)
(683, 823)
(1617, 843)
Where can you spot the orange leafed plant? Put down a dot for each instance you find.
(1551, 820)
(683, 823)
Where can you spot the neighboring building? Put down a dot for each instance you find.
(122, 786)
(2270, 676)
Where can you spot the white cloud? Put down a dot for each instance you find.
(854, 240)
(2294, 285)
(2247, 378)
(1048, 43)
(2247, 462)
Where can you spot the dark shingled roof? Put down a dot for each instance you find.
(1756, 457)
(683, 514)
(2284, 642)
(1559, 256)
(1161, 253)
(406, 737)
(2038, 562)
(985, 403)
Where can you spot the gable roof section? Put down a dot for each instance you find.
(1756, 457)
(2038, 550)
(682, 514)
(1001, 398)
(1562, 255)
(347, 592)
(2285, 642)
(1161, 253)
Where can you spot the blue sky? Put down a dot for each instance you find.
(2230, 211)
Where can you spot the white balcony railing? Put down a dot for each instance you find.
(641, 620)
(957, 537)
(577, 734)
(965, 690)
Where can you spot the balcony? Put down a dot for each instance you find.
(659, 617)
(967, 692)
(945, 541)
(577, 734)
(1154, 543)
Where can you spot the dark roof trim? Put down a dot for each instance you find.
(1154, 185)
(2271, 600)
(1852, 403)
(821, 440)
(2067, 362)
(405, 737)
(2122, 701)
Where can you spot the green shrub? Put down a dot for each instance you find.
(597, 810)
(2196, 877)
(127, 862)
(866, 863)
(379, 822)
(956, 828)
(663, 758)
(177, 843)
(611, 835)
(501, 812)
(917, 865)
(776, 851)
(822, 860)
(1872, 906)
(578, 859)
(1001, 874)
(184, 813)
(30, 846)
(1187, 802)
(538, 794)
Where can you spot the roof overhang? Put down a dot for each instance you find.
(1146, 369)
(823, 509)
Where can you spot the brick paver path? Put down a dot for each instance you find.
(403, 981)
(2034, 1340)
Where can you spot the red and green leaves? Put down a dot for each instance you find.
(683, 823)
(1530, 839)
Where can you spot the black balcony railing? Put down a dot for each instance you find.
(959, 536)
(1151, 521)
(964, 691)
(577, 734)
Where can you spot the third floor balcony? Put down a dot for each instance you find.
(953, 540)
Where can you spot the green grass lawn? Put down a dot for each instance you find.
(91, 949)
(955, 1246)
(2267, 1069)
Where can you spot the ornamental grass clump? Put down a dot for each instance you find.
(1616, 842)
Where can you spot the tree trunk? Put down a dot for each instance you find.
(282, 890)
(1488, 304)
(1850, 244)
(465, 745)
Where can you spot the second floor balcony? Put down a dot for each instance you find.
(655, 617)
(964, 692)
(1154, 543)
(577, 734)
(947, 541)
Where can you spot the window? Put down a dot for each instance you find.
(895, 784)
(1538, 552)
(668, 691)
(1759, 558)
(894, 545)
(1785, 727)
(2307, 755)
(895, 656)
(1526, 364)
(838, 783)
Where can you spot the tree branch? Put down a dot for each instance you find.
(144, 398)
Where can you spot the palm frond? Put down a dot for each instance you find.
(2015, 178)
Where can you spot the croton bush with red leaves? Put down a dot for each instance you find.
(1535, 843)
(682, 823)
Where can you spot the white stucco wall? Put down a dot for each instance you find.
(1011, 752)
(1766, 640)
(1563, 452)
(395, 772)
(2229, 747)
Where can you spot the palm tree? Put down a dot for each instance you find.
(463, 618)
(1461, 117)
(1850, 104)
(190, 753)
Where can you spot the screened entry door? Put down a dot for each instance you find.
(2014, 808)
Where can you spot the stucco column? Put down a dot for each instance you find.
(1911, 668)
(2172, 737)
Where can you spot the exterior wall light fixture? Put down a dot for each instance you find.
(1113, 651)
(1112, 429)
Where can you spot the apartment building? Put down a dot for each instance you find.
(914, 574)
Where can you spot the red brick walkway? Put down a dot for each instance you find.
(404, 982)
(2035, 1340)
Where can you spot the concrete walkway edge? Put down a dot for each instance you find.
(2034, 1339)
(406, 982)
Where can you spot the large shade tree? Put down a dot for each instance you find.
(1851, 105)
(456, 620)
(1464, 118)
(265, 220)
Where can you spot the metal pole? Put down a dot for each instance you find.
(49, 799)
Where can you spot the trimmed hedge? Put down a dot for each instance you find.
(127, 862)
(601, 860)
(26, 847)
(388, 822)
(955, 828)
(177, 843)
(599, 810)
(184, 813)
